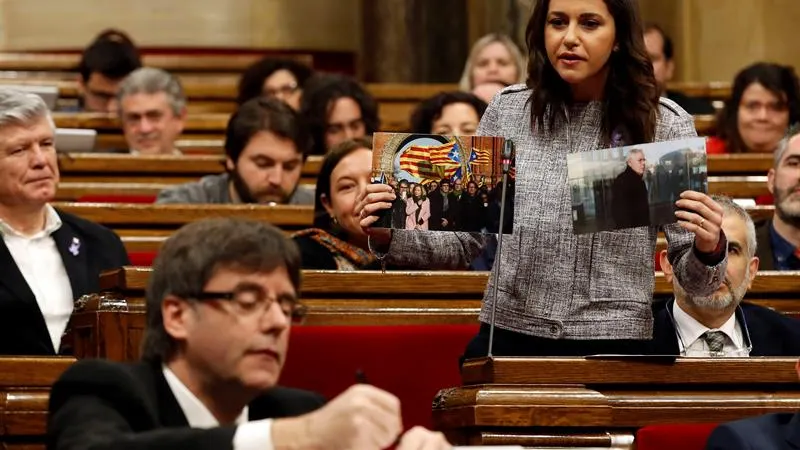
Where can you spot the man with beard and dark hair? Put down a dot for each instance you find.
(629, 203)
(779, 238)
(266, 143)
(720, 324)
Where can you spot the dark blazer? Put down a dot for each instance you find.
(771, 333)
(769, 432)
(101, 404)
(23, 330)
(764, 246)
(630, 206)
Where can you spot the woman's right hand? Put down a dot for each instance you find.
(374, 199)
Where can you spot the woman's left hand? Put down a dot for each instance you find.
(702, 216)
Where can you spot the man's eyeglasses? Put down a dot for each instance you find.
(251, 302)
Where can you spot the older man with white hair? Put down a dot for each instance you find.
(152, 109)
(721, 324)
(779, 238)
(48, 258)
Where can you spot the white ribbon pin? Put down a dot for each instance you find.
(75, 247)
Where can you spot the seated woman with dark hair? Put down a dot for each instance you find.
(271, 77)
(455, 113)
(764, 103)
(337, 242)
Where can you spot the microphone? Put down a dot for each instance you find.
(507, 157)
(508, 153)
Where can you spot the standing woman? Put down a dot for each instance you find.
(590, 86)
(418, 209)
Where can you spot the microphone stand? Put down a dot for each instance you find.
(508, 150)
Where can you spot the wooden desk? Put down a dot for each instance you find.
(24, 392)
(577, 402)
(110, 324)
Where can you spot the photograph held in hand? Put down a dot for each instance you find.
(634, 186)
(443, 183)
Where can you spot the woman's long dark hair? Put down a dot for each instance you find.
(778, 79)
(332, 159)
(630, 102)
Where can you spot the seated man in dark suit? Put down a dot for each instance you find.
(721, 325)
(768, 432)
(779, 238)
(48, 258)
(220, 303)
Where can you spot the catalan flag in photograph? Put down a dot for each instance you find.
(481, 156)
(445, 155)
(416, 161)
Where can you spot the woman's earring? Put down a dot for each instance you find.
(334, 221)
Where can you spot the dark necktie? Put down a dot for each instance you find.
(715, 340)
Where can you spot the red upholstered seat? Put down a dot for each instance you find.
(143, 259)
(411, 361)
(119, 198)
(687, 436)
(766, 199)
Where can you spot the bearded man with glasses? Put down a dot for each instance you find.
(221, 300)
(721, 325)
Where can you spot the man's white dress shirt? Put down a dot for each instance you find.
(690, 333)
(256, 435)
(40, 263)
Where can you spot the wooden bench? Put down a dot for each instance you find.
(133, 221)
(109, 324)
(715, 90)
(217, 95)
(736, 187)
(24, 392)
(163, 220)
(169, 169)
(601, 402)
(154, 169)
(175, 62)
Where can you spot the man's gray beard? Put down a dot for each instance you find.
(716, 301)
(788, 209)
